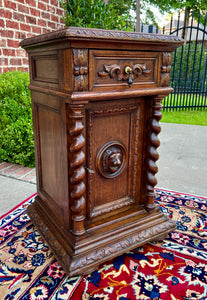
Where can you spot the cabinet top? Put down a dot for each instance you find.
(93, 34)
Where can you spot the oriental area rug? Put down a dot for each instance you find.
(174, 269)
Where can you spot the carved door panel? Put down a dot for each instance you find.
(114, 155)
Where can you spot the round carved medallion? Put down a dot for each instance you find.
(111, 159)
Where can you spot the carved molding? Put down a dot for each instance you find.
(113, 34)
(152, 153)
(80, 69)
(129, 242)
(166, 68)
(78, 170)
(108, 111)
(103, 209)
(119, 70)
(78, 32)
(80, 264)
(136, 145)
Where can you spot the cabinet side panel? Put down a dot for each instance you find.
(51, 155)
(44, 69)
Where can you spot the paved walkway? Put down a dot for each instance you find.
(18, 172)
(183, 158)
(182, 166)
(17, 184)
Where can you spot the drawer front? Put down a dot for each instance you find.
(108, 69)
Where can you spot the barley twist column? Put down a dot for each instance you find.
(152, 154)
(78, 170)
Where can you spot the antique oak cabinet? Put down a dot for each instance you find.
(96, 100)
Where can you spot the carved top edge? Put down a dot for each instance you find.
(100, 34)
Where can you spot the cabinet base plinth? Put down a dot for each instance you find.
(82, 255)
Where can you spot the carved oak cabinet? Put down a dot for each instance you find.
(96, 100)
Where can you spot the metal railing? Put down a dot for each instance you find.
(189, 65)
(189, 62)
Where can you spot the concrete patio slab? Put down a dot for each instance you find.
(13, 192)
(183, 158)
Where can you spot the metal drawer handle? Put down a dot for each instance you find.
(129, 70)
(126, 73)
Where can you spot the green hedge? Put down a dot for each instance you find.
(16, 132)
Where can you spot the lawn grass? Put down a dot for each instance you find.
(184, 100)
(197, 117)
(182, 113)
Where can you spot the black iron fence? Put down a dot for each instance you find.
(189, 63)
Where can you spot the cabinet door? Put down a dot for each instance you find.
(114, 146)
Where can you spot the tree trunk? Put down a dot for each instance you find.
(186, 23)
(138, 15)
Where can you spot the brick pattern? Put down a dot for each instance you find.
(20, 19)
(18, 172)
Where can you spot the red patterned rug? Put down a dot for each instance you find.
(174, 269)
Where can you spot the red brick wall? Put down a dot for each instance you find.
(20, 19)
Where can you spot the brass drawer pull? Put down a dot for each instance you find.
(127, 74)
(129, 70)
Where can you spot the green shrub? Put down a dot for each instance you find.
(96, 14)
(16, 132)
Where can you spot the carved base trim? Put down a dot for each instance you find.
(82, 259)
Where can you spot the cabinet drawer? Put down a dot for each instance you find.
(107, 69)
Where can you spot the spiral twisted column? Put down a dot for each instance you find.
(78, 171)
(152, 154)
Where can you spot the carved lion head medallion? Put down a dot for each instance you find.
(111, 159)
